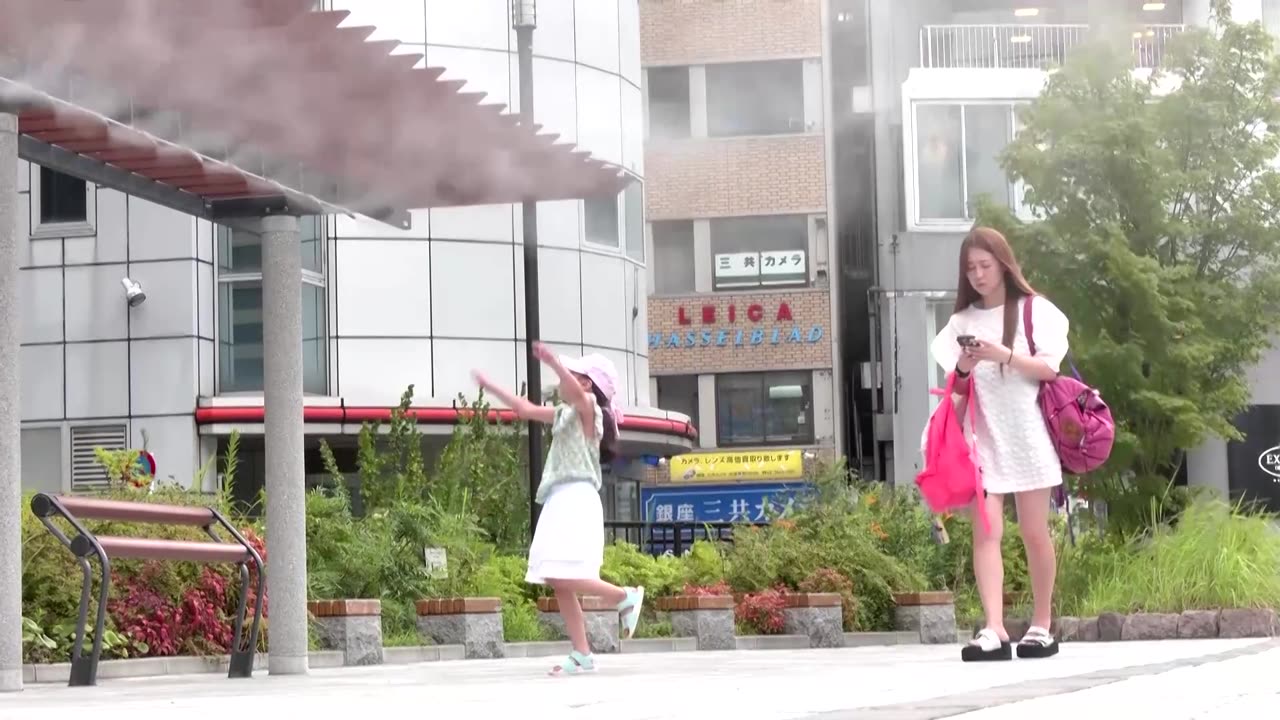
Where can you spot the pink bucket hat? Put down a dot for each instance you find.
(600, 370)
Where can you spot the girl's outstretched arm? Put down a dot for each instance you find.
(570, 391)
(524, 409)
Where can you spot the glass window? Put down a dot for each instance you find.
(240, 348)
(633, 198)
(315, 351)
(63, 198)
(240, 251)
(240, 336)
(737, 93)
(673, 265)
(602, 220)
(764, 250)
(940, 169)
(987, 131)
(679, 393)
(311, 234)
(958, 151)
(764, 408)
(668, 89)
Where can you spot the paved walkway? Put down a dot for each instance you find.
(1171, 680)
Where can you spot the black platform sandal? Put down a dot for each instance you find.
(1037, 643)
(986, 646)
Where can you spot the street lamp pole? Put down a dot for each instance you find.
(524, 20)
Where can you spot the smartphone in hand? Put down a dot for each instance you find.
(966, 340)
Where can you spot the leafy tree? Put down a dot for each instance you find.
(1157, 202)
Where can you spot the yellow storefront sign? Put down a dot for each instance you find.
(744, 465)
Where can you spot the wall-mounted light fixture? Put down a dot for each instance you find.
(133, 293)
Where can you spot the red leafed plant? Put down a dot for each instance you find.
(763, 611)
(202, 618)
(251, 591)
(197, 623)
(718, 589)
(146, 616)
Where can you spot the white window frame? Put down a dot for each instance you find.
(911, 164)
(59, 230)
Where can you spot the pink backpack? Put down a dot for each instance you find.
(1079, 422)
(951, 478)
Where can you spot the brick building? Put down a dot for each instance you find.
(740, 310)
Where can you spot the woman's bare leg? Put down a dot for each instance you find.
(1042, 562)
(575, 626)
(608, 592)
(988, 565)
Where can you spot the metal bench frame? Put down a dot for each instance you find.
(72, 509)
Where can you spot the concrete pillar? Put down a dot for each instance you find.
(814, 98)
(706, 419)
(698, 101)
(10, 418)
(703, 263)
(282, 398)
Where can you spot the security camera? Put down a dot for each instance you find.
(133, 293)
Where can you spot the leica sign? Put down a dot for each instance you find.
(1269, 461)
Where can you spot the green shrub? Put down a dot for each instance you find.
(704, 564)
(626, 565)
(503, 577)
(833, 528)
(1214, 556)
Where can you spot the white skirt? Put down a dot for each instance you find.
(568, 543)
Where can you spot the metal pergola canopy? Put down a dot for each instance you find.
(305, 117)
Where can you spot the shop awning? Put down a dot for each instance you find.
(241, 107)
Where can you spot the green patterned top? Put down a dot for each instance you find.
(573, 457)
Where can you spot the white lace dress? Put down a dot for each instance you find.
(1014, 449)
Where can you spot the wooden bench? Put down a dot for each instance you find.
(74, 510)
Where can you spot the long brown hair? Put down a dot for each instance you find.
(1016, 286)
(608, 443)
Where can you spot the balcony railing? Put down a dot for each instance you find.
(1026, 46)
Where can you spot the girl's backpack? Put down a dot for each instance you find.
(951, 478)
(1079, 422)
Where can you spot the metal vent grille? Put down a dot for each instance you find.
(86, 473)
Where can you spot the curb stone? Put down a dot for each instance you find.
(1232, 624)
(59, 673)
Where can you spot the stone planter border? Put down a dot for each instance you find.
(473, 623)
(931, 614)
(706, 618)
(818, 616)
(601, 619)
(678, 603)
(1233, 623)
(352, 627)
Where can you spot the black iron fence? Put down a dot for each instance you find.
(658, 538)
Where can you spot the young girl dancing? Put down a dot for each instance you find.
(568, 544)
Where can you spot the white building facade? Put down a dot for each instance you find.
(383, 308)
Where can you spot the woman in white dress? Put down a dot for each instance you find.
(985, 338)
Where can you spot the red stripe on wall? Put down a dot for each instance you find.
(429, 416)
